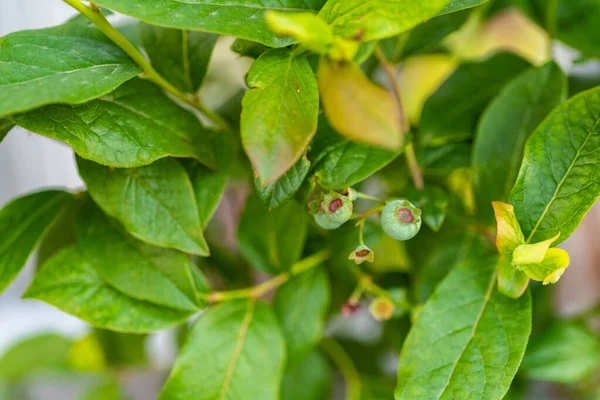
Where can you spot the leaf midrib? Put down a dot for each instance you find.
(239, 345)
(558, 187)
(486, 300)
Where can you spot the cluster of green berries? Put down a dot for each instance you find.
(400, 219)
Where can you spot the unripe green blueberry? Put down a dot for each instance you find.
(333, 211)
(401, 220)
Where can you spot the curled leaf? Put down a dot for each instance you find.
(550, 269)
(532, 253)
(509, 235)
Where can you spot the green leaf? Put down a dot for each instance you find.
(307, 28)
(442, 161)
(5, 126)
(279, 113)
(155, 203)
(23, 223)
(36, 354)
(247, 48)
(122, 349)
(340, 163)
(532, 253)
(377, 19)
(504, 128)
(558, 182)
(548, 270)
(133, 126)
(239, 18)
(468, 340)
(72, 63)
(357, 108)
(265, 237)
(234, 351)
(511, 281)
(70, 283)
(456, 5)
(143, 272)
(433, 201)
(301, 306)
(180, 56)
(209, 188)
(311, 380)
(104, 391)
(281, 191)
(452, 112)
(508, 231)
(565, 352)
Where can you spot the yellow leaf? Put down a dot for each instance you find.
(356, 107)
(532, 253)
(508, 234)
(550, 269)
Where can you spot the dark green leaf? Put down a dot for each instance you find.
(451, 113)
(559, 181)
(155, 203)
(311, 380)
(37, 354)
(235, 351)
(265, 237)
(566, 352)
(377, 19)
(143, 272)
(441, 161)
(131, 127)
(72, 63)
(456, 5)
(423, 37)
(278, 193)
(70, 283)
(468, 340)
(240, 18)
(433, 201)
(504, 128)
(279, 114)
(23, 223)
(180, 56)
(246, 48)
(5, 126)
(122, 349)
(301, 306)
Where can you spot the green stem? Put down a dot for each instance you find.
(361, 228)
(365, 196)
(368, 213)
(346, 366)
(409, 153)
(95, 15)
(260, 290)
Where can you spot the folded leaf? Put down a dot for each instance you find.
(452, 112)
(550, 269)
(68, 282)
(209, 188)
(466, 332)
(239, 18)
(356, 107)
(307, 28)
(278, 193)
(133, 126)
(265, 237)
(237, 350)
(180, 56)
(23, 223)
(377, 19)
(512, 282)
(509, 235)
(301, 306)
(155, 203)
(72, 63)
(279, 114)
(505, 127)
(532, 253)
(558, 182)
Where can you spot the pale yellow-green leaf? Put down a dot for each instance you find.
(356, 107)
(550, 269)
(509, 235)
(511, 281)
(532, 253)
(309, 29)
